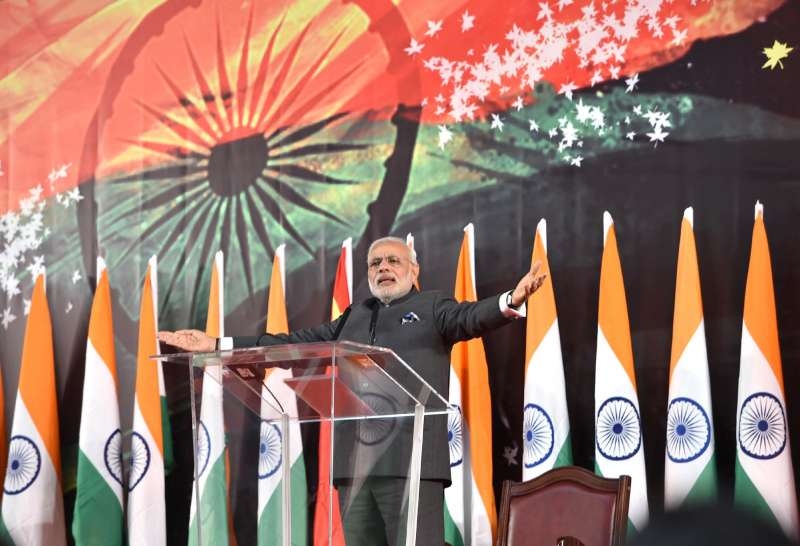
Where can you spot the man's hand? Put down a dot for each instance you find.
(528, 284)
(193, 341)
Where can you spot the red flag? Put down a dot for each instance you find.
(327, 512)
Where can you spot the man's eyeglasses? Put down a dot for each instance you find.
(392, 261)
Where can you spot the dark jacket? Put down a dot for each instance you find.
(423, 341)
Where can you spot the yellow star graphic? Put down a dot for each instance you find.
(776, 54)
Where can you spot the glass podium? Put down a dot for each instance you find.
(283, 432)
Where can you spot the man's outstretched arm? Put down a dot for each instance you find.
(196, 341)
(466, 320)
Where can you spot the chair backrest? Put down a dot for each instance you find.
(567, 501)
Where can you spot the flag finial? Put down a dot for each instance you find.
(607, 223)
(759, 210)
(688, 214)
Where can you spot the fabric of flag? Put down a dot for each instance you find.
(690, 473)
(3, 440)
(619, 448)
(270, 463)
(166, 427)
(545, 420)
(764, 481)
(410, 243)
(343, 283)
(98, 512)
(147, 512)
(469, 501)
(327, 512)
(33, 505)
(211, 519)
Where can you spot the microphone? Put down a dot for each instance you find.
(373, 321)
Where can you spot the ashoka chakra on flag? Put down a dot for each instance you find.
(619, 434)
(24, 463)
(688, 430)
(539, 435)
(269, 450)
(455, 436)
(374, 431)
(203, 446)
(762, 426)
(140, 460)
(112, 454)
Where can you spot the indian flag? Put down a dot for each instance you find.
(98, 513)
(3, 439)
(270, 463)
(764, 477)
(545, 420)
(619, 448)
(147, 512)
(690, 473)
(33, 506)
(166, 427)
(410, 243)
(470, 517)
(327, 513)
(211, 521)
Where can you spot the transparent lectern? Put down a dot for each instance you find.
(268, 422)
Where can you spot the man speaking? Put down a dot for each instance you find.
(421, 328)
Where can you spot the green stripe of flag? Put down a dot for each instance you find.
(704, 490)
(564, 457)
(745, 493)
(270, 524)
(98, 514)
(212, 512)
(451, 533)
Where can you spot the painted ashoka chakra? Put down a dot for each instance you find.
(762, 426)
(538, 435)
(24, 463)
(619, 432)
(374, 431)
(455, 436)
(203, 447)
(270, 453)
(140, 460)
(688, 430)
(112, 454)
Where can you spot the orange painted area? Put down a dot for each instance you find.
(89, 84)
(759, 301)
(37, 375)
(612, 314)
(147, 394)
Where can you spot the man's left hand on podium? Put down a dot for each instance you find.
(193, 341)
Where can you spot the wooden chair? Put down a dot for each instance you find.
(565, 505)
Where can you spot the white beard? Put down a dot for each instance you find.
(389, 293)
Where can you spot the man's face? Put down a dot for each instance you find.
(390, 271)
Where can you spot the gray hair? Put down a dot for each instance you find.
(412, 254)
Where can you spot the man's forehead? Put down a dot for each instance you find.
(389, 248)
